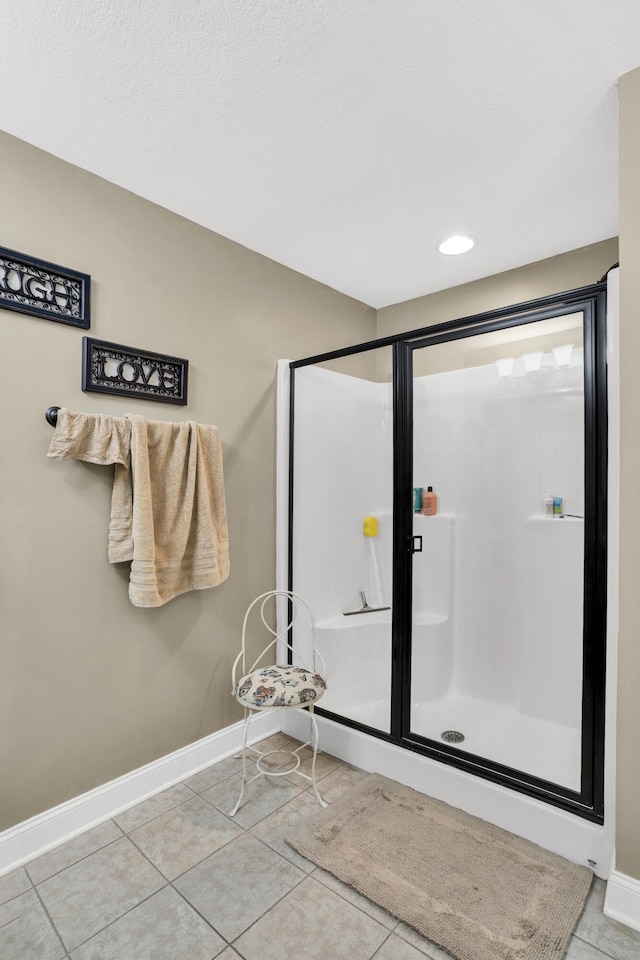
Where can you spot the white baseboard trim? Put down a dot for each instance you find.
(622, 901)
(49, 829)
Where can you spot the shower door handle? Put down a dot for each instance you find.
(415, 544)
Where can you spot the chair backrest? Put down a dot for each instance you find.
(294, 606)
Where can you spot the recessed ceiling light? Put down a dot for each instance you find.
(460, 243)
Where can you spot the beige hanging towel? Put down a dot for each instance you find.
(168, 512)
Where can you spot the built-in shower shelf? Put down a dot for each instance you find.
(360, 620)
(541, 518)
(357, 620)
(427, 619)
(438, 517)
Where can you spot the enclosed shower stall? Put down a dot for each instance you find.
(472, 634)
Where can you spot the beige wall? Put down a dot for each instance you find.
(628, 732)
(555, 275)
(90, 686)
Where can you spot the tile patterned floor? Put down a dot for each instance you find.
(174, 878)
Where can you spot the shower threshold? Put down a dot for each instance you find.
(496, 732)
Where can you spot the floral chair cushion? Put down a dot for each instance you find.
(280, 687)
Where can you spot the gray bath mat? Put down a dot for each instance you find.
(475, 890)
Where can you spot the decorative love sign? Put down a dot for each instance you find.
(128, 372)
(43, 289)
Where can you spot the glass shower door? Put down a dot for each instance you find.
(497, 655)
(466, 623)
(342, 526)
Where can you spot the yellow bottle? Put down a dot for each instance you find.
(429, 503)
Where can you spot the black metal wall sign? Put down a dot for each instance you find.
(128, 372)
(43, 289)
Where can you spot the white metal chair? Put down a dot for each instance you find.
(278, 687)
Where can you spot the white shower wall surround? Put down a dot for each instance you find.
(514, 691)
(343, 473)
(493, 448)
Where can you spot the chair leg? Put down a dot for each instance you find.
(314, 743)
(244, 763)
(314, 739)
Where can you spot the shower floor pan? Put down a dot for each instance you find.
(550, 751)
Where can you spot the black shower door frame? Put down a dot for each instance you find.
(588, 801)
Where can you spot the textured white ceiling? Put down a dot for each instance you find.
(342, 138)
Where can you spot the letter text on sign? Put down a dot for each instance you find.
(43, 289)
(129, 372)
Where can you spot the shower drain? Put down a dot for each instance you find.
(452, 736)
